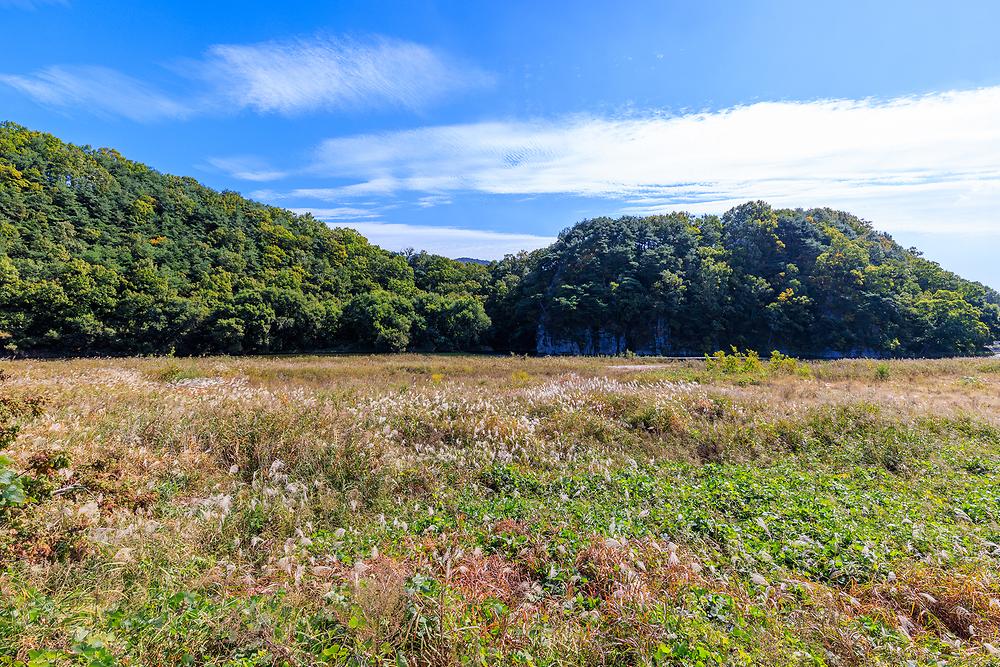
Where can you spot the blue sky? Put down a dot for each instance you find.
(480, 128)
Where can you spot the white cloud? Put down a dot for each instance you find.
(319, 74)
(330, 73)
(246, 168)
(339, 213)
(98, 90)
(448, 241)
(31, 4)
(913, 163)
(374, 187)
(430, 201)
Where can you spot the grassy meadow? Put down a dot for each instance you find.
(468, 510)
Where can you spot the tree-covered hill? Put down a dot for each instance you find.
(99, 254)
(102, 255)
(815, 282)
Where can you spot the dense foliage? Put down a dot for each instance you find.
(102, 254)
(817, 282)
(99, 254)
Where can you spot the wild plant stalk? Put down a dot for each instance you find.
(454, 510)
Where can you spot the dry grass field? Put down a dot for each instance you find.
(464, 510)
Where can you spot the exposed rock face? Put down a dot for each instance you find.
(654, 340)
(853, 353)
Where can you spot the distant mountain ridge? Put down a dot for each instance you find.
(102, 255)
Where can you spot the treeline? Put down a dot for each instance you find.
(102, 255)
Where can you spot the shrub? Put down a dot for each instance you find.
(735, 363)
(780, 364)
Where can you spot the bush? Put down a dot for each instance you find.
(748, 366)
(781, 364)
(735, 363)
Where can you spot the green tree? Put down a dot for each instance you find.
(951, 325)
(450, 322)
(380, 320)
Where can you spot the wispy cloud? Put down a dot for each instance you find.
(921, 163)
(246, 168)
(373, 187)
(97, 90)
(430, 201)
(335, 73)
(30, 4)
(340, 213)
(284, 77)
(448, 241)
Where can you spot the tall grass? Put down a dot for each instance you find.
(439, 510)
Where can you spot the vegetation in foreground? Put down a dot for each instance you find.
(102, 255)
(451, 510)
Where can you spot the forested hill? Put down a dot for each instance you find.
(102, 255)
(811, 282)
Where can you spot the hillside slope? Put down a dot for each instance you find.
(817, 282)
(103, 255)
